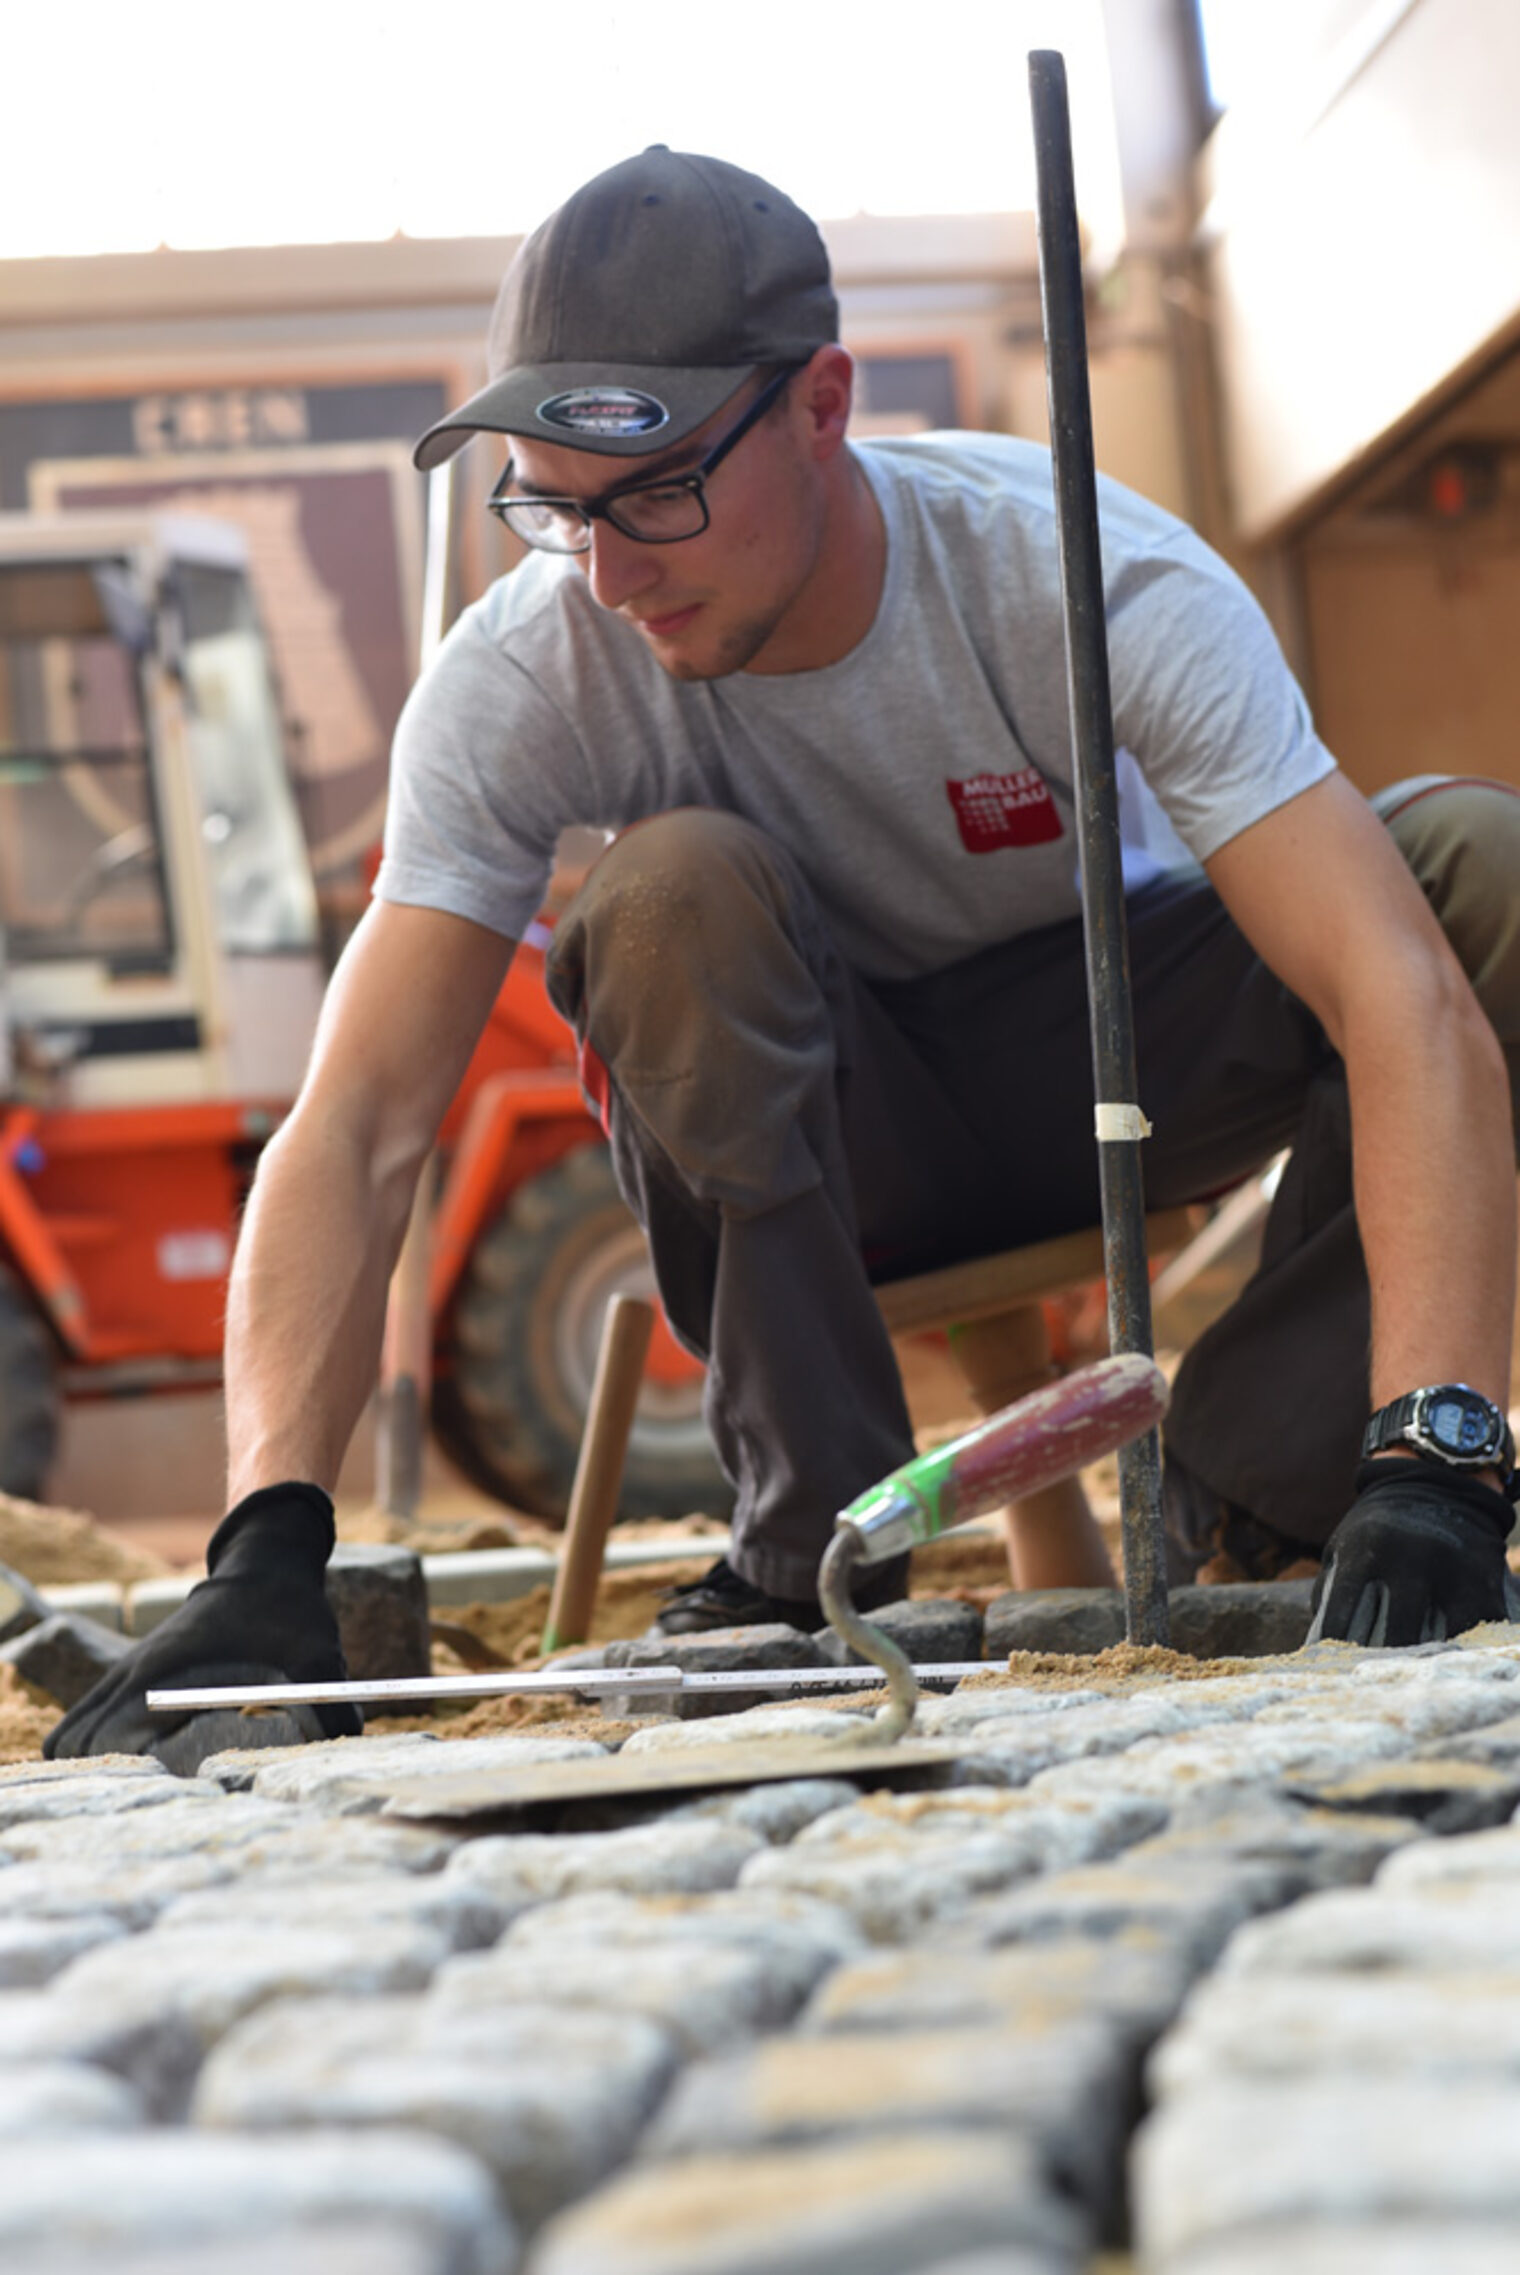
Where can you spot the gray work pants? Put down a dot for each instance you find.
(787, 1131)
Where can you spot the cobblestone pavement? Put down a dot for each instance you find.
(1223, 1972)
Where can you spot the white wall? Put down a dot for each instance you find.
(1366, 241)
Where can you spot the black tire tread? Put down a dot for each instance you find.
(501, 1415)
(29, 1398)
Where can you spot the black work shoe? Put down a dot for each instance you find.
(723, 1598)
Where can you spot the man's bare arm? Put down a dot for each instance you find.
(306, 1303)
(1320, 891)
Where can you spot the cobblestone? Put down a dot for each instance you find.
(354, 1777)
(665, 1858)
(933, 1631)
(551, 2101)
(65, 2097)
(106, 2196)
(31, 1951)
(1132, 1988)
(798, 2025)
(380, 1601)
(704, 1995)
(1230, 2160)
(880, 2207)
(1065, 2089)
(20, 1605)
(64, 1655)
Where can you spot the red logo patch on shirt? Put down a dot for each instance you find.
(994, 810)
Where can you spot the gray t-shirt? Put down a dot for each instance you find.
(924, 782)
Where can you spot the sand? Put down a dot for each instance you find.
(55, 1548)
(26, 1716)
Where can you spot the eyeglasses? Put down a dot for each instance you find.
(660, 512)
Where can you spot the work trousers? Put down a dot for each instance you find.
(787, 1131)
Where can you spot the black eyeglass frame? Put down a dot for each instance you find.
(604, 506)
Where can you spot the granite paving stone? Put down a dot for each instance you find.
(65, 2097)
(705, 1995)
(777, 1810)
(20, 1605)
(344, 1777)
(1448, 1796)
(156, 2050)
(1495, 1742)
(1441, 1927)
(108, 2195)
(1357, 2247)
(462, 1917)
(1243, 1755)
(1492, 1856)
(1326, 1847)
(1249, 1619)
(877, 2207)
(663, 1858)
(379, 1598)
(1067, 2089)
(932, 1630)
(800, 1938)
(210, 1977)
(246, 1833)
(718, 1651)
(33, 1951)
(65, 1655)
(1054, 1619)
(751, 1722)
(1051, 2260)
(1134, 1989)
(1295, 2026)
(550, 2099)
(349, 2247)
(184, 1749)
(1186, 1904)
(951, 1713)
(1224, 2162)
(91, 1792)
(895, 1862)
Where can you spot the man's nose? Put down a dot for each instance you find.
(618, 567)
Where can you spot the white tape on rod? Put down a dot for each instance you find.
(1119, 1122)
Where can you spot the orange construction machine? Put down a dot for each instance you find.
(160, 975)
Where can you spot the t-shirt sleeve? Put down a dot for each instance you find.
(1203, 697)
(479, 769)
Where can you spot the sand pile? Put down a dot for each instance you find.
(58, 1548)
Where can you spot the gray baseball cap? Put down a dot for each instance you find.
(635, 311)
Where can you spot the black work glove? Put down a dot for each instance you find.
(261, 1617)
(1418, 1556)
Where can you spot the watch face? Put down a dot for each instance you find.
(1460, 1425)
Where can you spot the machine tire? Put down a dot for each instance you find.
(28, 1396)
(526, 1324)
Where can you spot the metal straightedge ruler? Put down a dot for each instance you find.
(619, 1691)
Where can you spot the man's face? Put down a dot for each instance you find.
(720, 602)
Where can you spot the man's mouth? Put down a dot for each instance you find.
(666, 627)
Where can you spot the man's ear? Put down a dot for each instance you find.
(823, 392)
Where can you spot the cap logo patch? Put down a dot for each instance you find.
(604, 410)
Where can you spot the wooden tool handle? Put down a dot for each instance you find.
(599, 1472)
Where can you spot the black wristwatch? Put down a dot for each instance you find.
(1450, 1423)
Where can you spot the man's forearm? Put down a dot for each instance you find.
(306, 1306)
(1435, 1197)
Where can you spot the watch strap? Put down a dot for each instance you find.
(1389, 1426)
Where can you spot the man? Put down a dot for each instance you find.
(829, 990)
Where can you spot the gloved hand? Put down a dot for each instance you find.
(261, 1617)
(1418, 1556)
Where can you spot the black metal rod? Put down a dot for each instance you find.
(1092, 734)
